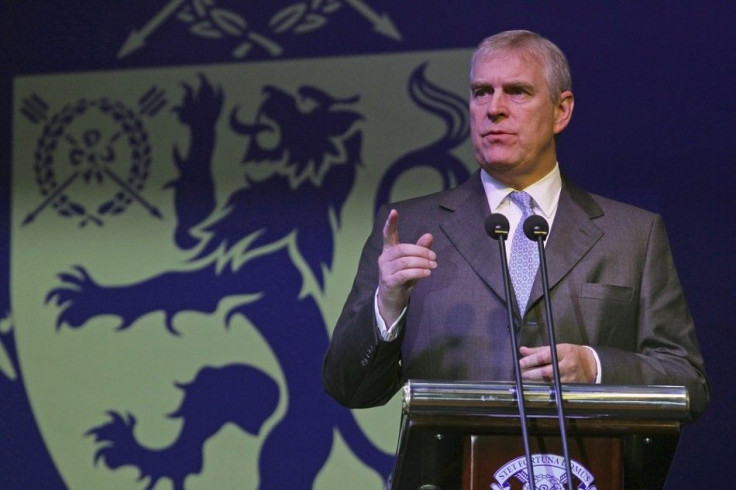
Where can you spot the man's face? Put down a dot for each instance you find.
(513, 119)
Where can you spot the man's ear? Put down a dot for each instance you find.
(563, 111)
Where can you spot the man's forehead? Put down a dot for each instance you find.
(507, 64)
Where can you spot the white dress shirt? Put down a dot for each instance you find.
(545, 192)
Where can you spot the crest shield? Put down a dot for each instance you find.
(182, 241)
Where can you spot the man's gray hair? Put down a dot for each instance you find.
(557, 70)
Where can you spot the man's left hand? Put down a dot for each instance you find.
(576, 363)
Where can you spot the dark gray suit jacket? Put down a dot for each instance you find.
(613, 284)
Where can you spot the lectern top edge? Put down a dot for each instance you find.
(581, 400)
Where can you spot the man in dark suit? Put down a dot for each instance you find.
(431, 304)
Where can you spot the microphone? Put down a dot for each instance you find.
(536, 229)
(497, 227)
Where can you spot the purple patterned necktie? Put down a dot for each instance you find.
(524, 260)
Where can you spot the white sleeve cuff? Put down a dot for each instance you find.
(597, 364)
(387, 333)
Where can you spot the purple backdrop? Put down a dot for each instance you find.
(654, 125)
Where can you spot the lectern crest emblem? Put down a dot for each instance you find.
(549, 474)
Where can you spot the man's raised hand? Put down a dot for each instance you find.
(400, 266)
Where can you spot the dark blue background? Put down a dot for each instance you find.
(654, 124)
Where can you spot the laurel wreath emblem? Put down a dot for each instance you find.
(91, 148)
(208, 21)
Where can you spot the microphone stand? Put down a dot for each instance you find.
(536, 229)
(497, 227)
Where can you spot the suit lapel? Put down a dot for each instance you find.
(465, 230)
(573, 235)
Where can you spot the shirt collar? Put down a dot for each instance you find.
(545, 192)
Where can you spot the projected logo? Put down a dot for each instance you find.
(179, 244)
(244, 249)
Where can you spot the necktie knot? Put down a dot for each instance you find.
(524, 201)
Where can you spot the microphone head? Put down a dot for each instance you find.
(536, 227)
(496, 225)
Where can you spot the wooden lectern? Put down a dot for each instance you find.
(466, 435)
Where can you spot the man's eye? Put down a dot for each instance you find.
(480, 92)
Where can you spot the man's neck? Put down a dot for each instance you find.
(520, 182)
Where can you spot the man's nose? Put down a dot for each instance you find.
(497, 107)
